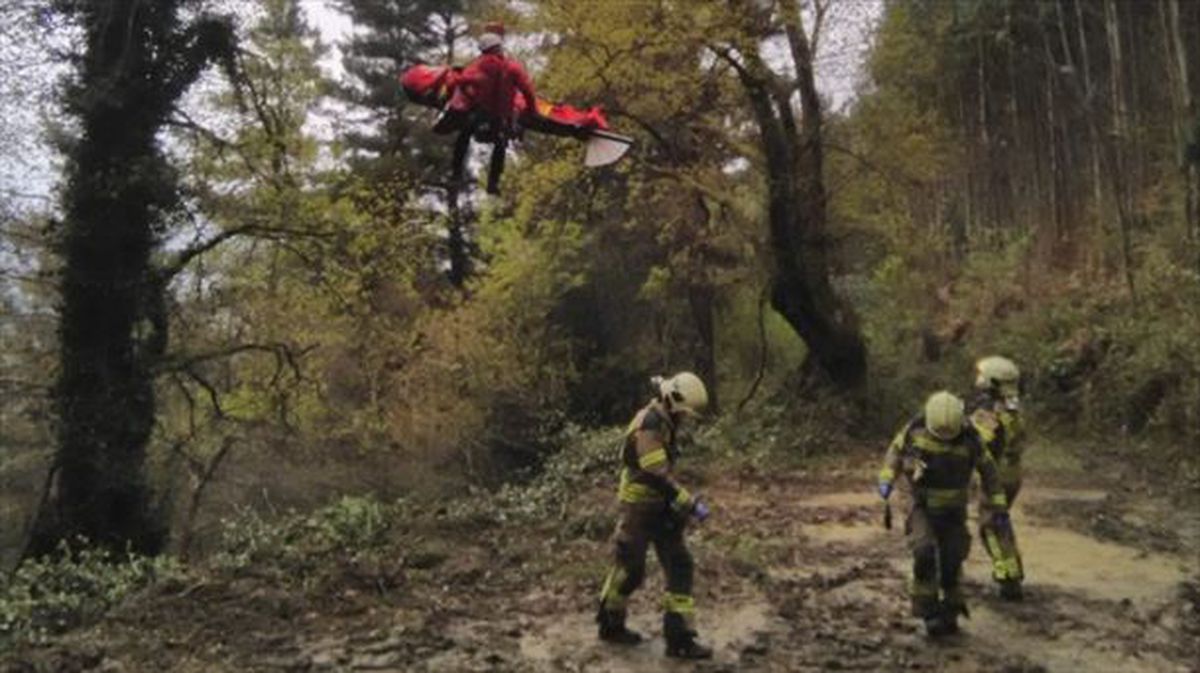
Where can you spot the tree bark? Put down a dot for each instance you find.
(137, 61)
(1186, 115)
(1092, 122)
(796, 207)
(1120, 136)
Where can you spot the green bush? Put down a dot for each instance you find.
(298, 543)
(73, 587)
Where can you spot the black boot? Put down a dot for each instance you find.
(613, 630)
(945, 622)
(1010, 590)
(681, 639)
(940, 626)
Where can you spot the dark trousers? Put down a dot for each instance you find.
(479, 125)
(640, 528)
(1001, 543)
(939, 543)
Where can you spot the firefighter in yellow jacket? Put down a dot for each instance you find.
(996, 416)
(655, 510)
(934, 455)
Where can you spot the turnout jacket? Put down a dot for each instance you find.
(938, 471)
(1000, 430)
(648, 454)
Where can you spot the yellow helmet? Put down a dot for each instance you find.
(944, 415)
(684, 392)
(996, 373)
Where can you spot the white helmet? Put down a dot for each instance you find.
(944, 415)
(684, 392)
(489, 41)
(999, 374)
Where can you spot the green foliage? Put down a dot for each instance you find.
(1094, 359)
(552, 493)
(967, 247)
(741, 346)
(71, 588)
(299, 544)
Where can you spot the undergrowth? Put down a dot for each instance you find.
(71, 588)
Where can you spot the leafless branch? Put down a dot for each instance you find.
(184, 257)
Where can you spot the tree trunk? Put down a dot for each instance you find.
(1120, 135)
(1093, 138)
(801, 289)
(458, 251)
(702, 301)
(796, 208)
(137, 62)
(1015, 146)
(1060, 235)
(1186, 116)
(201, 477)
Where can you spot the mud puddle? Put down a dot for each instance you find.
(1093, 605)
(1078, 563)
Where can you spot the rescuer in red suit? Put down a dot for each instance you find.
(483, 104)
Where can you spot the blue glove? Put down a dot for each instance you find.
(700, 510)
(1001, 520)
(885, 489)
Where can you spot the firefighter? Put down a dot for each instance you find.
(995, 413)
(934, 455)
(655, 510)
(481, 105)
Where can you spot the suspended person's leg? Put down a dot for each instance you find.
(464, 123)
(679, 607)
(627, 574)
(496, 166)
(461, 146)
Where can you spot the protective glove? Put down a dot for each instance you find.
(1001, 520)
(885, 489)
(700, 510)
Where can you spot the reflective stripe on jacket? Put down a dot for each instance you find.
(647, 458)
(938, 471)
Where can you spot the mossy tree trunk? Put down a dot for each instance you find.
(138, 59)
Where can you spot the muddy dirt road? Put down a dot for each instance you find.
(795, 573)
(824, 583)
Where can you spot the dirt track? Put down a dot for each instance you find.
(790, 578)
(826, 593)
